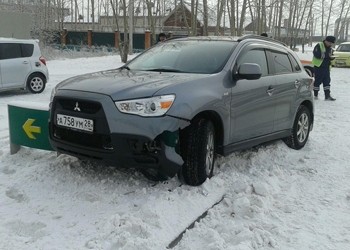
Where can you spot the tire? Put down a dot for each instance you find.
(199, 152)
(36, 83)
(300, 130)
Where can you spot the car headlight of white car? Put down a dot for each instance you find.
(153, 106)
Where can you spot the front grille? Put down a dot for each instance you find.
(100, 138)
(87, 107)
(90, 140)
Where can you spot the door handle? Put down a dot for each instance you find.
(25, 62)
(297, 83)
(270, 90)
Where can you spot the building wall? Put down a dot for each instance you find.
(15, 25)
(108, 24)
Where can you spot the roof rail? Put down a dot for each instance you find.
(260, 38)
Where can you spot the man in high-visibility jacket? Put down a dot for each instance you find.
(322, 65)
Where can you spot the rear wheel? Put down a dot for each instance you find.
(300, 130)
(36, 83)
(198, 152)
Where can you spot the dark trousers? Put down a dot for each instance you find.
(322, 76)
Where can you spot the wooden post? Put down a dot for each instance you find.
(64, 37)
(89, 37)
(116, 39)
(147, 39)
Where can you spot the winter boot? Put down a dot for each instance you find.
(328, 96)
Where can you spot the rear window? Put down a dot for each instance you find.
(295, 65)
(27, 49)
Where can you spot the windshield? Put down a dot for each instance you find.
(202, 57)
(344, 48)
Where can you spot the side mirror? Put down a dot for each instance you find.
(249, 71)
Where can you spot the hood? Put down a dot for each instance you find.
(341, 54)
(125, 84)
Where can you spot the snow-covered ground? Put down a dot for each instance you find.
(271, 197)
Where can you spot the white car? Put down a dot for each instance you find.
(22, 66)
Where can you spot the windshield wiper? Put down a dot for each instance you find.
(124, 67)
(164, 70)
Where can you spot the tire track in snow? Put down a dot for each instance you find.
(179, 237)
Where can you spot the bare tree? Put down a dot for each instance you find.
(344, 27)
(205, 17)
(322, 17)
(263, 17)
(151, 20)
(185, 18)
(242, 19)
(308, 21)
(342, 17)
(220, 11)
(123, 45)
(280, 15)
(93, 14)
(329, 16)
(193, 13)
(252, 14)
(232, 16)
(124, 51)
(270, 14)
(303, 8)
(114, 6)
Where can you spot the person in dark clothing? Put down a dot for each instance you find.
(161, 38)
(322, 57)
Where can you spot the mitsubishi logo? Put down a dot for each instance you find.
(77, 107)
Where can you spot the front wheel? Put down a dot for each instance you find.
(36, 83)
(300, 130)
(199, 152)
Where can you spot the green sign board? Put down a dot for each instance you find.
(28, 127)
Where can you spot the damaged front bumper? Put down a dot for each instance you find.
(118, 139)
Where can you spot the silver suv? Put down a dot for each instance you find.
(22, 66)
(173, 108)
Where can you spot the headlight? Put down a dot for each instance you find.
(153, 106)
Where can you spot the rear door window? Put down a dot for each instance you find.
(281, 62)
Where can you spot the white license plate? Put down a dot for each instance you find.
(75, 122)
(340, 63)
